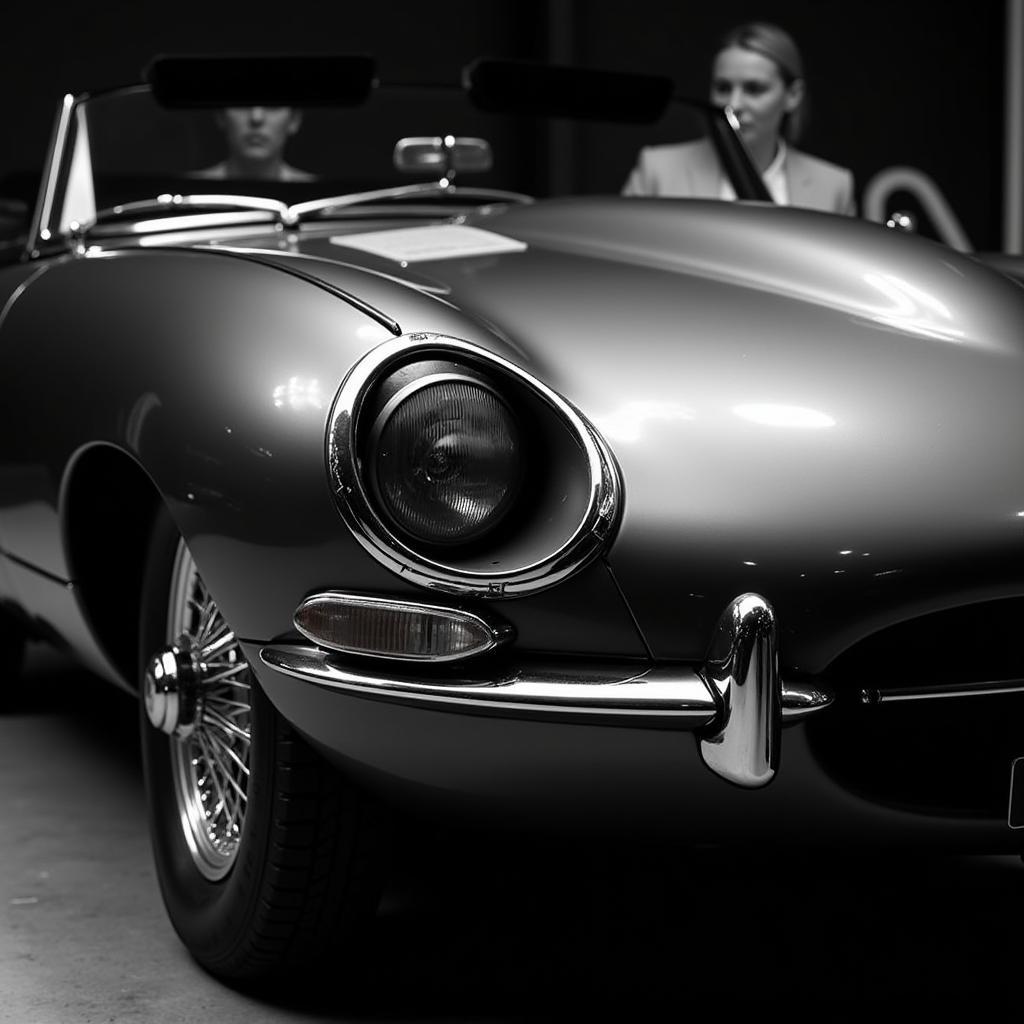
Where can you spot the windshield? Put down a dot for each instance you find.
(122, 148)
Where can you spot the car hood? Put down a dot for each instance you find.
(803, 406)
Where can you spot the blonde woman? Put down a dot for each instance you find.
(758, 72)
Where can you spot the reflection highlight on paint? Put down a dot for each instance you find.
(299, 394)
(913, 309)
(630, 421)
(770, 414)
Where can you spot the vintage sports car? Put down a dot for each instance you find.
(698, 519)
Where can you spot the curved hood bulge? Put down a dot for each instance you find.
(801, 405)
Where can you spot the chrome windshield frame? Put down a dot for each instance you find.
(39, 232)
(41, 236)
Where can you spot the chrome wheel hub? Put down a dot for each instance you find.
(197, 691)
(170, 690)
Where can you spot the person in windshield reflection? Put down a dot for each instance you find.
(758, 71)
(256, 139)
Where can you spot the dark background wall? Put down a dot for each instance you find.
(910, 83)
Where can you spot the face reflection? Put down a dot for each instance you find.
(256, 135)
(753, 86)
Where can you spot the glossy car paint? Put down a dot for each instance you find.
(800, 406)
(234, 444)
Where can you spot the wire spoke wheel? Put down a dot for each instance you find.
(269, 861)
(210, 754)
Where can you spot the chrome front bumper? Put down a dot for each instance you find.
(736, 701)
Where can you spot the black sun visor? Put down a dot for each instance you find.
(315, 80)
(551, 90)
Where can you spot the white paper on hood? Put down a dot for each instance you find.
(433, 242)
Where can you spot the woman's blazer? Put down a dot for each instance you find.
(691, 169)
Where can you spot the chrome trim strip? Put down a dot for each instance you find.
(173, 201)
(802, 699)
(672, 695)
(677, 694)
(742, 667)
(376, 537)
(497, 633)
(987, 688)
(425, 189)
(40, 232)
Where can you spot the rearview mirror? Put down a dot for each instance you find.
(442, 156)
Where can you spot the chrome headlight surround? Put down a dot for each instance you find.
(532, 570)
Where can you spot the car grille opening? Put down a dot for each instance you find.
(949, 756)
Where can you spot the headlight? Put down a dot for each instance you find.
(463, 473)
(445, 459)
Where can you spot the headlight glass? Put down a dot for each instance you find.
(447, 454)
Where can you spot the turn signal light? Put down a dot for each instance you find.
(380, 627)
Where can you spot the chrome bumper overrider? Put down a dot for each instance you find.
(736, 700)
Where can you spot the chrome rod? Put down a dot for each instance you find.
(989, 688)
(40, 230)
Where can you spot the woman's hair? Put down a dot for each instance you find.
(779, 47)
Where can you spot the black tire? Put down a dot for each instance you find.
(304, 875)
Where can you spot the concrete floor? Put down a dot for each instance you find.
(483, 933)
